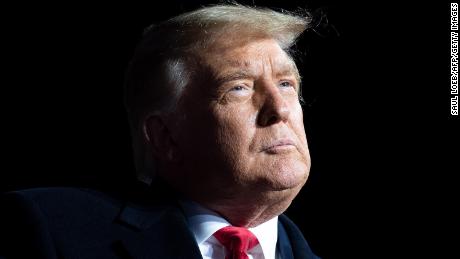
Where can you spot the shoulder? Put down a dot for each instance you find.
(60, 203)
(32, 220)
(65, 198)
(84, 223)
(57, 206)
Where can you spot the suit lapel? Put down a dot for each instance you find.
(157, 227)
(159, 233)
(283, 245)
(291, 238)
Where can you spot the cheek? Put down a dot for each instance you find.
(298, 126)
(236, 129)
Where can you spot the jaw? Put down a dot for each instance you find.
(245, 200)
(252, 208)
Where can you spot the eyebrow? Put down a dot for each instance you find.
(289, 71)
(238, 75)
(247, 74)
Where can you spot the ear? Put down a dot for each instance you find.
(160, 139)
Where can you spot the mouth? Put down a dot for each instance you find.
(279, 147)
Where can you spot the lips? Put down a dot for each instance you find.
(279, 146)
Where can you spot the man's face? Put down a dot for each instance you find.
(242, 133)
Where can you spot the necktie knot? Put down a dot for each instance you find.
(236, 240)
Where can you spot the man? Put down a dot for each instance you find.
(213, 102)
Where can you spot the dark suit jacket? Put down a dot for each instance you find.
(84, 223)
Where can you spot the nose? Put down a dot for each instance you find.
(274, 108)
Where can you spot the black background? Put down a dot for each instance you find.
(376, 82)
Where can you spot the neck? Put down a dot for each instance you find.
(251, 212)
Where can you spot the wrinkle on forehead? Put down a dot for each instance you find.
(252, 59)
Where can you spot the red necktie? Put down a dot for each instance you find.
(237, 241)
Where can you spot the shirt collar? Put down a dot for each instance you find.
(204, 222)
(267, 234)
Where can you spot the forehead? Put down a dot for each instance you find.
(256, 57)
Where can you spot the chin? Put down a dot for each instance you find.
(281, 171)
(292, 176)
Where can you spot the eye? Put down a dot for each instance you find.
(238, 91)
(237, 88)
(286, 84)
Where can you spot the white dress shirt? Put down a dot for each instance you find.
(204, 223)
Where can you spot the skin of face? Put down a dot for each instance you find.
(241, 136)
